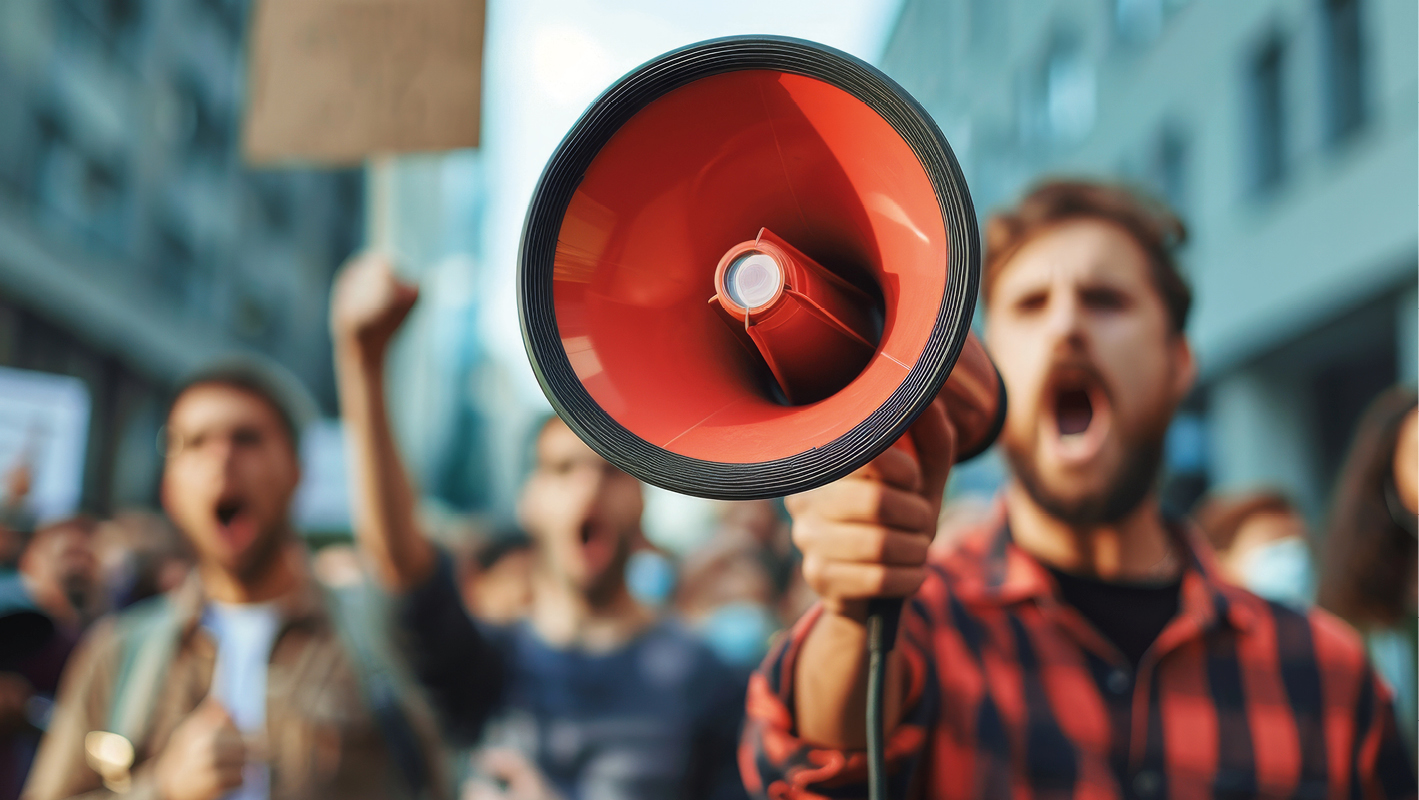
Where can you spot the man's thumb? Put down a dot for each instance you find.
(212, 710)
(935, 440)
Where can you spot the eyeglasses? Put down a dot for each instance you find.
(173, 445)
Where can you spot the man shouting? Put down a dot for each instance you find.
(1078, 644)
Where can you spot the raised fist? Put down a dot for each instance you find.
(204, 756)
(368, 303)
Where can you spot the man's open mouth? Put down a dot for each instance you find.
(1073, 411)
(235, 523)
(1078, 406)
(227, 510)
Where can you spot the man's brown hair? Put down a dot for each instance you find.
(1152, 225)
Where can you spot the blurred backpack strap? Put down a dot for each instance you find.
(356, 620)
(147, 636)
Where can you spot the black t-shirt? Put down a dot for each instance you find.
(1131, 615)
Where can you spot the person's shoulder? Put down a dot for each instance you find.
(1310, 634)
(1337, 644)
(115, 628)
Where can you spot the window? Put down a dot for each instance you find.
(1069, 92)
(1344, 65)
(1138, 21)
(1266, 98)
(1169, 167)
(985, 22)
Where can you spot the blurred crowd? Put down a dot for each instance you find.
(202, 652)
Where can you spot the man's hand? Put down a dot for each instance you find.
(508, 776)
(867, 535)
(368, 303)
(864, 536)
(204, 756)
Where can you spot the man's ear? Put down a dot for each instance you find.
(1184, 367)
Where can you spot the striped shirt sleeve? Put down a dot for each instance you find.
(776, 763)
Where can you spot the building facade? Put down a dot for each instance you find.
(134, 244)
(1283, 131)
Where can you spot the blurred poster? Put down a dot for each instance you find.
(322, 503)
(44, 427)
(336, 81)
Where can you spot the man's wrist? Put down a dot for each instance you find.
(853, 610)
(353, 353)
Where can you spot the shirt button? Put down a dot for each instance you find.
(1119, 681)
(1146, 783)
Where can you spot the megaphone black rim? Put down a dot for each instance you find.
(563, 174)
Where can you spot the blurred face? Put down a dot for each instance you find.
(62, 558)
(503, 592)
(1092, 366)
(582, 512)
(230, 474)
(1406, 462)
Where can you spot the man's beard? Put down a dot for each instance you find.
(261, 558)
(1121, 495)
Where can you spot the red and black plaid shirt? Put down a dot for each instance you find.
(1011, 693)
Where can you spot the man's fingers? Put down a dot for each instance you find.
(229, 750)
(862, 543)
(212, 711)
(870, 501)
(229, 776)
(896, 467)
(848, 581)
(935, 440)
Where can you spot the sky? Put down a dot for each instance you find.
(546, 60)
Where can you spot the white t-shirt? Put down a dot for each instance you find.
(245, 634)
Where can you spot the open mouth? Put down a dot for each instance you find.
(1079, 408)
(234, 521)
(227, 510)
(1073, 411)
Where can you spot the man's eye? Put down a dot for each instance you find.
(1104, 299)
(1032, 302)
(246, 437)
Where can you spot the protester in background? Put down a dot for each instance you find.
(240, 683)
(140, 554)
(727, 594)
(496, 578)
(1261, 544)
(61, 573)
(1368, 557)
(603, 697)
(25, 632)
(1079, 644)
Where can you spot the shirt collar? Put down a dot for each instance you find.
(991, 569)
(303, 605)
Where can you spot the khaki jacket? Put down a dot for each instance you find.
(322, 740)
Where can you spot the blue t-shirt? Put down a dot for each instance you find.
(656, 718)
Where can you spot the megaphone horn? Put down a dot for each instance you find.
(749, 267)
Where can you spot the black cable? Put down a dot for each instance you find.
(883, 615)
(877, 651)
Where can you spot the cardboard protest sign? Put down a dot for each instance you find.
(337, 81)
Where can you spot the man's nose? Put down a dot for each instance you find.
(1065, 317)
